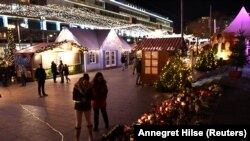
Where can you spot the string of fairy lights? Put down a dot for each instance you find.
(79, 16)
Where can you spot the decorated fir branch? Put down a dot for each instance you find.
(9, 53)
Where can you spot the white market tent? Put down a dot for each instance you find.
(240, 24)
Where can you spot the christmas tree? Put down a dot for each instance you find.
(238, 57)
(9, 57)
(205, 61)
(175, 75)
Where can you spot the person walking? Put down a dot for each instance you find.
(100, 91)
(61, 70)
(66, 72)
(135, 61)
(40, 75)
(5, 72)
(22, 71)
(82, 94)
(123, 61)
(54, 70)
(138, 71)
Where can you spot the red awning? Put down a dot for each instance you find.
(168, 44)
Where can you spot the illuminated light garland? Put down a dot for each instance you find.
(50, 126)
(58, 44)
(9, 57)
(78, 16)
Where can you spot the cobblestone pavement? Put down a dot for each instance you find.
(26, 117)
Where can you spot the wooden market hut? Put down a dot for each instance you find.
(154, 53)
(45, 53)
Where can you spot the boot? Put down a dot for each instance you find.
(89, 127)
(77, 133)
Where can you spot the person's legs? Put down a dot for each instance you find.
(89, 124)
(22, 79)
(54, 77)
(96, 118)
(137, 79)
(62, 78)
(67, 78)
(39, 88)
(105, 117)
(43, 91)
(123, 66)
(78, 124)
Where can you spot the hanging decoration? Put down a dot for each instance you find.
(79, 16)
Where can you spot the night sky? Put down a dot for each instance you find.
(192, 9)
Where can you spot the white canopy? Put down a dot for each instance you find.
(240, 24)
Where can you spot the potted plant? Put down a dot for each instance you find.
(238, 56)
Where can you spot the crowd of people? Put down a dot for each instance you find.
(6, 73)
(63, 71)
(87, 95)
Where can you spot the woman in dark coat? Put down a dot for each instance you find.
(82, 94)
(100, 91)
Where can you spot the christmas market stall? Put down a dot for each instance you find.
(45, 53)
(154, 53)
(105, 47)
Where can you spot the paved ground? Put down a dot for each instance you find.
(26, 117)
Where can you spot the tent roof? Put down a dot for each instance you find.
(35, 48)
(241, 23)
(41, 47)
(92, 39)
(167, 44)
(125, 45)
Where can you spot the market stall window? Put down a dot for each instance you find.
(151, 62)
(92, 57)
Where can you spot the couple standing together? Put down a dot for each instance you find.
(86, 95)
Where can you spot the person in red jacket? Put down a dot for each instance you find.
(100, 91)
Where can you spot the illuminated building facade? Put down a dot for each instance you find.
(39, 21)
